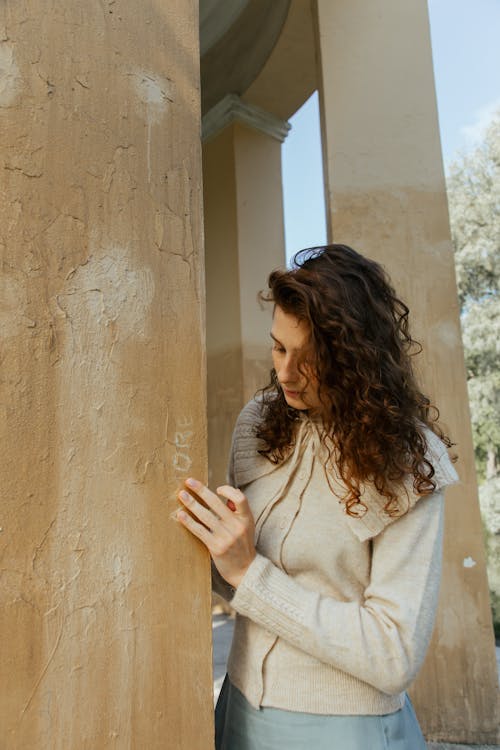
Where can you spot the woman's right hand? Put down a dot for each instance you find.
(227, 532)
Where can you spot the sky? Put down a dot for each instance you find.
(466, 53)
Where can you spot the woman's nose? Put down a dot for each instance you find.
(288, 372)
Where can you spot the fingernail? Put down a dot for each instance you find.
(185, 495)
(231, 505)
(191, 482)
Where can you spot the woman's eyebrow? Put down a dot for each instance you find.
(277, 341)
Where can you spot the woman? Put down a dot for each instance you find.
(327, 540)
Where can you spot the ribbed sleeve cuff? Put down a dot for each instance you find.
(268, 596)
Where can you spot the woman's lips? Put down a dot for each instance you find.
(293, 394)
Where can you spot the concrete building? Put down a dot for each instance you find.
(105, 348)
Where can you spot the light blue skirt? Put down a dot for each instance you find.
(240, 726)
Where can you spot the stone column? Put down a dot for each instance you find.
(386, 197)
(244, 241)
(105, 601)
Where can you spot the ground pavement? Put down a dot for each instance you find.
(222, 628)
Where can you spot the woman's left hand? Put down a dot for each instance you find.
(227, 534)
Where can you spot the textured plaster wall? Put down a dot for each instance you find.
(102, 395)
(224, 364)
(386, 196)
(244, 241)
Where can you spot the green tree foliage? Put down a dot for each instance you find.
(474, 201)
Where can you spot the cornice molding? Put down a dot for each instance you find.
(233, 109)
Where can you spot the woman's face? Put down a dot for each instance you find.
(291, 352)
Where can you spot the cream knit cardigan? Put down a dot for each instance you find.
(335, 613)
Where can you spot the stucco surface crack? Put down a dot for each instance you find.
(142, 467)
(43, 229)
(73, 270)
(39, 56)
(52, 654)
(112, 167)
(22, 597)
(34, 175)
(50, 86)
(43, 671)
(40, 546)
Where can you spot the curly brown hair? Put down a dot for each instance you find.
(361, 355)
